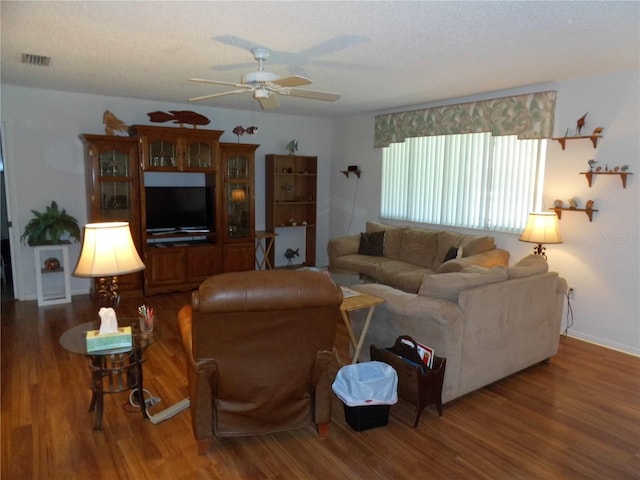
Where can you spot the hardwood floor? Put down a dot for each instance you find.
(575, 417)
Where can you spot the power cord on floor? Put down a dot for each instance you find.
(150, 401)
(568, 294)
(353, 206)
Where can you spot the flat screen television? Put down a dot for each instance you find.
(180, 209)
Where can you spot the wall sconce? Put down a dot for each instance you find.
(542, 227)
(107, 251)
(352, 169)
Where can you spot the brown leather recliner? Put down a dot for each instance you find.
(258, 345)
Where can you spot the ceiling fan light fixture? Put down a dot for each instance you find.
(261, 93)
(253, 78)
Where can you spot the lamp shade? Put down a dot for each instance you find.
(107, 250)
(238, 195)
(542, 227)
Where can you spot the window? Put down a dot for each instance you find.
(473, 180)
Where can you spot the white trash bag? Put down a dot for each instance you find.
(367, 383)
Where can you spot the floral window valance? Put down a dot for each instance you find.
(528, 116)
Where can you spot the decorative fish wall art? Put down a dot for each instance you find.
(179, 116)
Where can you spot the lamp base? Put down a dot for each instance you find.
(108, 293)
(539, 250)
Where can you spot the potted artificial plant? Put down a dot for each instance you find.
(48, 227)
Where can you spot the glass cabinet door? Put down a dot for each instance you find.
(114, 163)
(238, 168)
(114, 187)
(238, 210)
(199, 155)
(162, 153)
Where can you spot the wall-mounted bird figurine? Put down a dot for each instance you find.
(597, 131)
(580, 123)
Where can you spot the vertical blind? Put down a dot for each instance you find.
(473, 180)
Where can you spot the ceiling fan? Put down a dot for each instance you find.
(264, 85)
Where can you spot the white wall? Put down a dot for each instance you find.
(599, 259)
(44, 159)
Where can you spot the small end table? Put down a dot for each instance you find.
(264, 244)
(114, 370)
(354, 300)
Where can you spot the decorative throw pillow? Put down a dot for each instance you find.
(453, 252)
(372, 244)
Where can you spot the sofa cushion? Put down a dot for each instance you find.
(392, 237)
(372, 243)
(474, 244)
(410, 281)
(527, 266)
(356, 262)
(446, 241)
(420, 247)
(449, 285)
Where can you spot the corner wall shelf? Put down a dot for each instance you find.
(588, 211)
(623, 176)
(563, 140)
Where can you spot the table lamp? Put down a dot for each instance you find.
(542, 227)
(238, 196)
(107, 251)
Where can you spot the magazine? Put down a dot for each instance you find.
(347, 292)
(426, 353)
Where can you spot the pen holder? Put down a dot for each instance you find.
(146, 325)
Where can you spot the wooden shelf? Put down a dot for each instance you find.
(563, 140)
(623, 176)
(291, 197)
(588, 211)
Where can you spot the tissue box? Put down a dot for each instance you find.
(108, 341)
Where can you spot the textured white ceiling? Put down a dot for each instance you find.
(378, 55)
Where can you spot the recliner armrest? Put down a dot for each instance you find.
(201, 376)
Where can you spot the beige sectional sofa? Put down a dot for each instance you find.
(410, 253)
(487, 323)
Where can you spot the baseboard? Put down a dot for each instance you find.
(601, 342)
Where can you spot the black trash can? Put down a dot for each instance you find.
(367, 390)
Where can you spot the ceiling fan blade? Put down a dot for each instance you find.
(218, 82)
(313, 94)
(334, 45)
(221, 94)
(293, 81)
(270, 102)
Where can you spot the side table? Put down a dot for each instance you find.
(114, 370)
(353, 300)
(264, 244)
(53, 285)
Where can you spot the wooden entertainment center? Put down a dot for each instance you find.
(121, 171)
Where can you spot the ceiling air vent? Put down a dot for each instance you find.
(39, 60)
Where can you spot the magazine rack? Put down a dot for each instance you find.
(417, 383)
